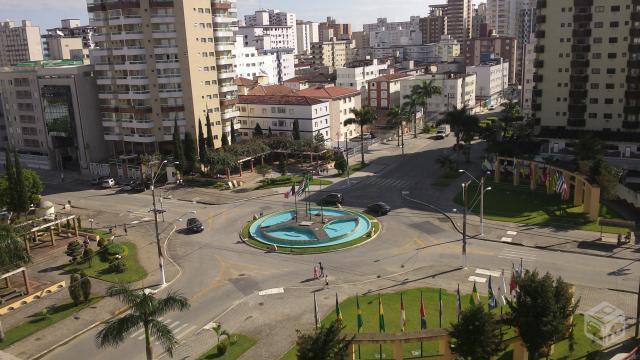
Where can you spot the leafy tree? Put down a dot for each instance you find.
(296, 130)
(177, 147)
(146, 311)
(412, 102)
(263, 170)
(232, 132)
(220, 333)
(10, 195)
(22, 198)
(542, 311)
(202, 144)
(33, 186)
(85, 286)
(282, 166)
(340, 163)
(397, 115)
(423, 92)
(224, 140)
(74, 289)
(220, 160)
(257, 131)
(87, 256)
(362, 117)
(74, 250)
(210, 144)
(511, 114)
(319, 138)
(189, 152)
(477, 335)
(606, 176)
(12, 249)
(269, 133)
(325, 343)
(588, 148)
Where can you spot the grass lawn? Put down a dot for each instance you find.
(39, 322)
(506, 202)
(234, 351)
(446, 179)
(286, 181)
(204, 182)
(375, 224)
(99, 267)
(391, 305)
(353, 169)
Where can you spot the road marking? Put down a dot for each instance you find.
(137, 333)
(513, 233)
(506, 239)
(517, 255)
(477, 279)
(180, 336)
(210, 325)
(271, 291)
(488, 272)
(180, 328)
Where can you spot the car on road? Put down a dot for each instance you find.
(379, 208)
(108, 183)
(365, 136)
(332, 199)
(129, 185)
(194, 226)
(98, 180)
(443, 131)
(491, 107)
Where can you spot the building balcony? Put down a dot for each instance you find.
(540, 34)
(224, 19)
(539, 49)
(221, 5)
(576, 122)
(538, 64)
(541, 19)
(170, 93)
(577, 108)
(171, 122)
(633, 64)
(161, 3)
(579, 3)
(228, 102)
(224, 46)
(169, 79)
(165, 50)
(581, 79)
(163, 19)
(634, 32)
(227, 87)
(579, 64)
(635, 16)
(541, 4)
(174, 108)
(229, 115)
(631, 109)
(163, 34)
(635, 79)
(225, 60)
(537, 93)
(109, 123)
(537, 78)
(580, 33)
(582, 18)
(222, 33)
(139, 138)
(133, 80)
(113, 137)
(536, 107)
(581, 48)
(578, 94)
(631, 124)
(226, 74)
(174, 64)
(105, 5)
(137, 124)
(634, 48)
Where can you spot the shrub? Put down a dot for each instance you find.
(114, 249)
(74, 289)
(221, 348)
(74, 250)
(87, 256)
(85, 286)
(101, 243)
(118, 266)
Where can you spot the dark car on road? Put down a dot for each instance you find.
(194, 226)
(379, 208)
(332, 199)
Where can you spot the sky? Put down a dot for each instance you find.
(47, 13)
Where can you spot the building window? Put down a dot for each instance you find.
(612, 55)
(597, 40)
(595, 71)
(597, 24)
(615, 8)
(608, 101)
(593, 116)
(593, 101)
(595, 86)
(596, 55)
(599, 9)
(613, 40)
(609, 86)
(611, 71)
(614, 24)
(608, 116)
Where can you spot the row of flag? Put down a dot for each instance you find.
(302, 187)
(494, 300)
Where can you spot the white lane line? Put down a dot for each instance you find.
(488, 272)
(477, 279)
(174, 324)
(271, 291)
(513, 233)
(517, 252)
(181, 335)
(506, 239)
(180, 328)
(137, 333)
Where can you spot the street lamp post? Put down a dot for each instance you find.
(464, 224)
(155, 220)
(482, 191)
(346, 152)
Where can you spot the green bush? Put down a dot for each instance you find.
(222, 348)
(118, 266)
(101, 242)
(114, 249)
(87, 256)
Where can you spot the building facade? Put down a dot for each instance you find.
(479, 18)
(384, 91)
(356, 77)
(71, 40)
(285, 63)
(19, 43)
(250, 64)
(529, 57)
(502, 16)
(459, 19)
(332, 29)
(333, 53)
(341, 102)
(159, 62)
(587, 75)
(492, 79)
(51, 115)
(434, 25)
(458, 90)
(479, 50)
(307, 32)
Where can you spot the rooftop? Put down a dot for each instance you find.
(279, 100)
(50, 63)
(315, 77)
(328, 92)
(270, 90)
(242, 81)
(390, 77)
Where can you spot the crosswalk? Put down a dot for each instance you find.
(388, 182)
(517, 254)
(511, 257)
(180, 330)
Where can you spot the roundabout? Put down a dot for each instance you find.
(311, 230)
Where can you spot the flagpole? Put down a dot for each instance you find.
(421, 304)
(315, 309)
(295, 199)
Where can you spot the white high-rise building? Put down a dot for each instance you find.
(19, 43)
(270, 29)
(492, 79)
(502, 16)
(307, 33)
(460, 19)
(250, 64)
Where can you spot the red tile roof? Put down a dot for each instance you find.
(311, 77)
(279, 100)
(270, 90)
(242, 81)
(328, 92)
(390, 77)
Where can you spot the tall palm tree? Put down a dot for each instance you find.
(412, 103)
(424, 91)
(145, 312)
(361, 117)
(397, 117)
(464, 125)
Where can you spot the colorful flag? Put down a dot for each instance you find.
(475, 297)
(359, 321)
(492, 303)
(440, 305)
(502, 290)
(458, 303)
(338, 312)
(513, 284)
(403, 319)
(380, 315)
(290, 192)
(315, 310)
(423, 314)
(303, 186)
(560, 184)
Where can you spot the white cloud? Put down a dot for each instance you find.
(43, 5)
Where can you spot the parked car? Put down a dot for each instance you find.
(138, 188)
(443, 131)
(379, 208)
(365, 136)
(491, 107)
(108, 183)
(194, 226)
(98, 180)
(332, 199)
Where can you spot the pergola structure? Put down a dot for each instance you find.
(584, 193)
(25, 277)
(32, 233)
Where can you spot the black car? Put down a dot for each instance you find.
(194, 226)
(379, 208)
(332, 199)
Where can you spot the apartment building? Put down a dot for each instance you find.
(528, 60)
(285, 63)
(71, 40)
(459, 19)
(502, 16)
(51, 115)
(19, 43)
(341, 102)
(490, 48)
(525, 40)
(434, 25)
(492, 79)
(457, 90)
(277, 113)
(384, 91)
(332, 29)
(333, 53)
(159, 61)
(356, 77)
(307, 32)
(587, 71)
(250, 64)
(479, 18)
(270, 29)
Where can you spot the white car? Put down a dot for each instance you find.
(108, 183)
(491, 107)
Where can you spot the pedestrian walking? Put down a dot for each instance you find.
(86, 242)
(326, 280)
(315, 272)
(321, 268)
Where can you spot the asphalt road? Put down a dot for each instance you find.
(417, 247)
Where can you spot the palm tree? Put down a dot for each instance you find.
(424, 91)
(464, 125)
(362, 117)
(412, 103)
(510, 114)
(145, 312)
(220, 332)
(396, 119)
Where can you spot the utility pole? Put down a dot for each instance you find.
(464, 224)
(346, 151)
(638, 312)
(482, 205)
(155, 220)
